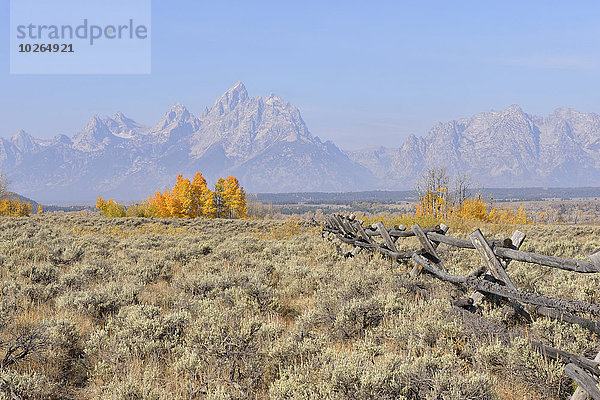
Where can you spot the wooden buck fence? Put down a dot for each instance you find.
(488, 281)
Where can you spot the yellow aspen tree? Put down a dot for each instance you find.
(182, 192)
(199, 189)
(113, 209)
(160, 205)
(473, 208)
(173, 205)
(219, 199)
(150, 209)
(209, 209)
(14, 208)
(433, 203)
(232, 186)
(240, 203)
(100, 204)
(24, 208)
(40, 210)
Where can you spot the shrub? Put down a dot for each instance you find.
(84, 274)
(39, 273)
(152, 271)
(100, 302)
(64, 362)
(26, 386)
(143, 386)
(226, 344)
(242, 288)
(357, 316)
(357, 376)
(139, 331)
(65, 255)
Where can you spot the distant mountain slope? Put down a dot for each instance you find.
(508, 148)
(263, 141)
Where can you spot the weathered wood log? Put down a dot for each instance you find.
(565, 317)
(580, 393)
(443, 230)
(536, 299)
(503, 291)
(466, 302)
(486, 252)
(517, 239)
(595, 259)
(429, 251)
(549, 261)
(336, 224)
(400, 228)
(398, 233)
(465, 244)
(346, 228)
(428, 246)
(361, 232)
(421, 236)
(345, 225)
(503, 250)
(377, 247)
(590, 366)
(386, 237)
(583, 379)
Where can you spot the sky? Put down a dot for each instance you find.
(361, 73)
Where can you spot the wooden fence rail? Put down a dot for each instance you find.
(496, 255)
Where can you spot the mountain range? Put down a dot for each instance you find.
(508, 148)
(262, 141)
(267, 145)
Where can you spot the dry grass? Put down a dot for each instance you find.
(223, 309)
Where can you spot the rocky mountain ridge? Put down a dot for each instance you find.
(263, 141)
(266, 143)
(507, 148)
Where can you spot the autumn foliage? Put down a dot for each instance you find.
(12, 207)
(442, 196)
(187, 199)
(110, 208)
(435, 204)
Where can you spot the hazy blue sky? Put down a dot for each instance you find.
(360, 72)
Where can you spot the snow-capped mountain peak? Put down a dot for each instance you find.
(229, 100)
(264, 142)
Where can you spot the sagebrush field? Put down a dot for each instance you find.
(93, 307)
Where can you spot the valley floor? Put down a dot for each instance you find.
(92, 307)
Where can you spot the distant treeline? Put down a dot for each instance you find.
(395, 196)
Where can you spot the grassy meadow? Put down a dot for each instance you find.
(134, 308)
